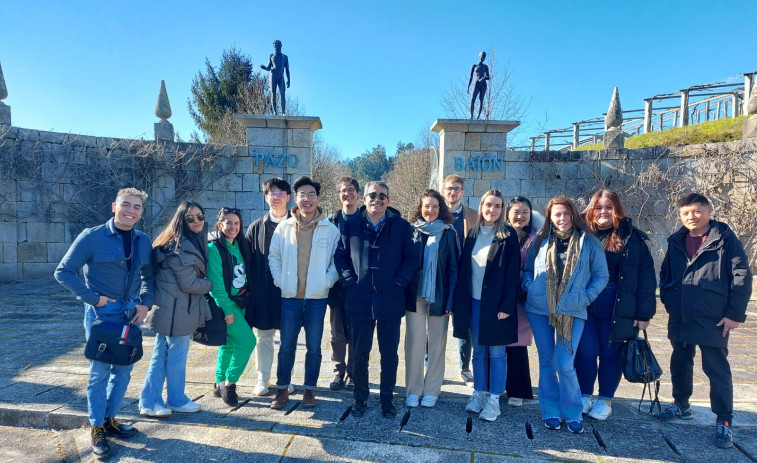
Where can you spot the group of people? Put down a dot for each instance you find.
(578, 285)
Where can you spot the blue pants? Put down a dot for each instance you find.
(489, 362)
(107, 383)
(595, 346)
(168, 364)
(557, 398)
(296, 313)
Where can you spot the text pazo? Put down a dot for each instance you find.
(276, 160)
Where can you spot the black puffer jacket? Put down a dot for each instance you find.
(375, 267)
(636, 284)
(698, 293)
(446, 273)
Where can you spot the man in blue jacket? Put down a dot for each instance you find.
(376, 259)
(118, 280)
(705, 284)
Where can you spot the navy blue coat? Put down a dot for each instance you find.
(374, 268)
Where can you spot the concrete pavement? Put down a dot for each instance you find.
(43, 377)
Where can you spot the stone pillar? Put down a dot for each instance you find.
(576, 134)
(280, 146)
(648, 115)
(547, 136)
(750, 107)
(684, 108)
(474, 150)
(735, 104)
(163, 129)
(614, 138)
(5, 110)
(533, 143)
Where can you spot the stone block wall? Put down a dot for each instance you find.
(53, 185)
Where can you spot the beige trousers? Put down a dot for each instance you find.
(415, 348)
(264, 353)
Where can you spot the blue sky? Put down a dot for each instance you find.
(374, 72)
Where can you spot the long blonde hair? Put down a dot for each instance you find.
(500, 226)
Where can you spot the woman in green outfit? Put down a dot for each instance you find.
(228, 258)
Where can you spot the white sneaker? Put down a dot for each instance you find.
(158, 411)
(515, 402)
(189, 407)
(429, 401)
(261, 388)
(601, 410)
(291, 388)
(412, 400)
(587, 403)
(491, 410)
(477, 402)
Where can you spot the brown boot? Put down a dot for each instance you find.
(282, 396)
(308, 398)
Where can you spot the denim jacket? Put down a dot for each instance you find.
(99, 251)
(589, 278)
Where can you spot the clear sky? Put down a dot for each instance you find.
(373, 71)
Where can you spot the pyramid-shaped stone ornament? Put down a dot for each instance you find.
(3, 88)
(614, 117)
(163, 106)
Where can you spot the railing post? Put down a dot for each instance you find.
(706, 111)
(576, 134)
(647, 115)
(546, 140)
(735, 104)
(748, 84)
(533, 143)
(684, 108)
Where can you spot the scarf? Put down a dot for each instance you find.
(563, 324)
(434, 231)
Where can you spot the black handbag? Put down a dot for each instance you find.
(641, 366)
(114, 343)
(214, 331)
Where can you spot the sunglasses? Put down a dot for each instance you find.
(374, 195)
(231, 210)
(192, 218)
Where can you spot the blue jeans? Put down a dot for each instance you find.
(489, 362)
(296, 313)
(595, 345)
(107, 383)
(168, 364)
(557, 398)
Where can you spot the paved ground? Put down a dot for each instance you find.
(43, 408)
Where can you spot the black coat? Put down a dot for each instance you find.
(446, 273)
(498, 292)
(637, 283)
(375, 267)
(697, 294)
(264, 312)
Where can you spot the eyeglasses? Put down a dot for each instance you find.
(453, 188)
(348, 191)
(374, 195)
(192, 218)
(277, 193)
(231, 210)
(302, 195)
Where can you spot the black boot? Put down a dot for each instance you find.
(100, 446)
(229, 394)
(116, 428)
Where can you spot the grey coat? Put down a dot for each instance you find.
(180, 288)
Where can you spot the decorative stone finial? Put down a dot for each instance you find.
(163, 106)
(614, 117)
(3, 88)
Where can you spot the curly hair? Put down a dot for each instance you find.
(444, 214)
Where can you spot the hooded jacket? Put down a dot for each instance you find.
(180, 287)
(700, 291)
(375, 267)
(282, 257)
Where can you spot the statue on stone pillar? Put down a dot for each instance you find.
(481, 72)
(278, 64)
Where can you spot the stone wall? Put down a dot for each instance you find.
(54, 185)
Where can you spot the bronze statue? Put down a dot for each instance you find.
(278, 64)
(479, 88)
